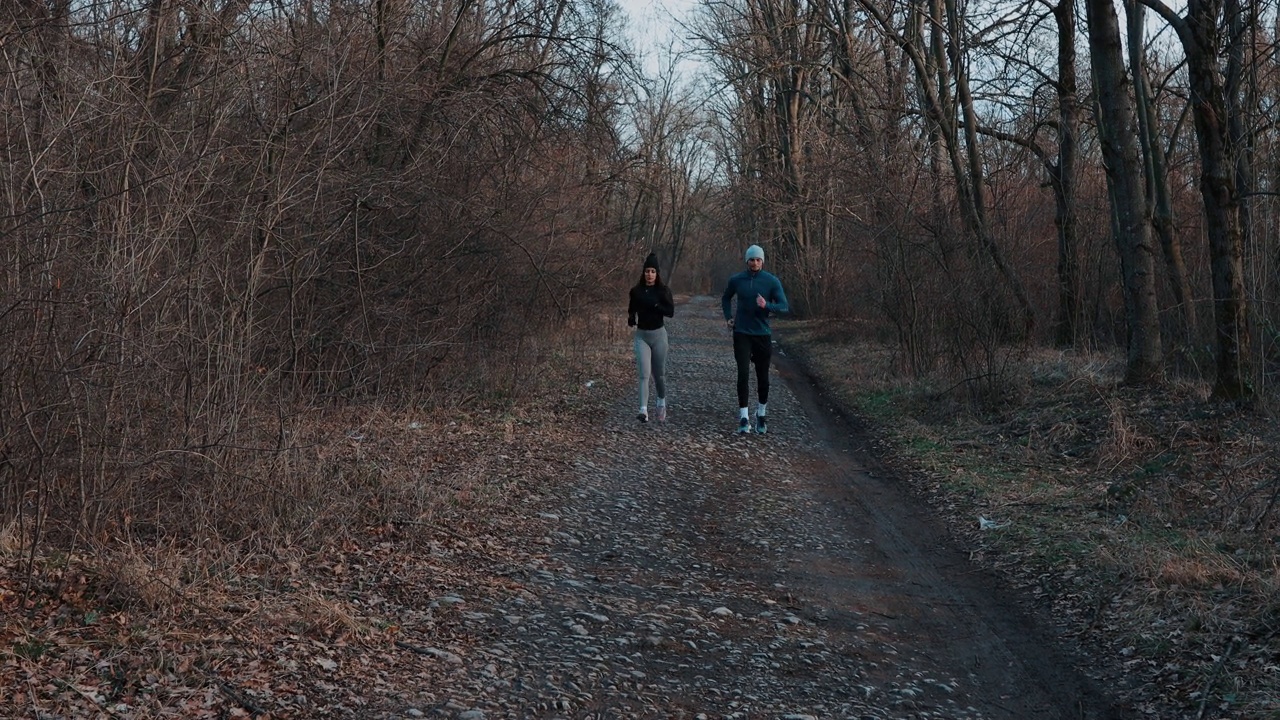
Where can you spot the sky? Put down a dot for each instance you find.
(653, 26)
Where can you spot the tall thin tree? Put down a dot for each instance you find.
(1200, 32)
(1117, 131)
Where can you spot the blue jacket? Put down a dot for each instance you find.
(750, 319)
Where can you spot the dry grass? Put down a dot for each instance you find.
(131, 578)
(1203, 572)
(311, 612)
(252, 574)
(1124, 442)
(11, 543)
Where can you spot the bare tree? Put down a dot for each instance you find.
(665, 190)
(1157, 177)
(1201, 36)
(1061, 166)
(1118, 133)
(1064, 177)
(935, 44)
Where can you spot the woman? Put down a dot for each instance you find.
(650, 302)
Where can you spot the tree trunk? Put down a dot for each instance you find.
(1157, 177)
(1063, 178)
(1200, 38)
(1118, 137)
(1240, 98)
(977, 176)
(1221, 202)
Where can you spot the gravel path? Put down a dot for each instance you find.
(690, 572)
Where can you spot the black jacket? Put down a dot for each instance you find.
(648, 305)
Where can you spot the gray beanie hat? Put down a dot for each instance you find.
(755, 251)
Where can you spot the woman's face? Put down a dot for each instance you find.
(650, 276)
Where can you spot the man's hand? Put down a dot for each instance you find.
(729, 323)
(760, 303)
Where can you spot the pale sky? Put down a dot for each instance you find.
(652, 27)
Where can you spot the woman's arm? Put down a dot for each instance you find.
(666, 303)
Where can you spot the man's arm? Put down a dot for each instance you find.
(778, 299)
(725, 299)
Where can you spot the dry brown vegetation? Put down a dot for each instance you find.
(1147, 523)
(225, 221)
(290, 620)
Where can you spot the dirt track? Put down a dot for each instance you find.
(692, 572)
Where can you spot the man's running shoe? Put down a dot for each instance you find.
(660, 413)
(762, 426)
(744, 426)
(643, 417)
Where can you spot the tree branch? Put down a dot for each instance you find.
(1176, 21)
(1027, 143)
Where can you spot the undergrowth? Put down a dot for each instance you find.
(1146, 520)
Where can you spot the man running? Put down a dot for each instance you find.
(759, 293)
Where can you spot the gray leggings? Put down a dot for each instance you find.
(651, 360)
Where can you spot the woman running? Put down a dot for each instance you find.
(649, 303)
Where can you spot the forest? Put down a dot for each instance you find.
(222, 221)
(219, 214)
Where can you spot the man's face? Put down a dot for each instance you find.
(754, 264)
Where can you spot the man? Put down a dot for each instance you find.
(759, 293)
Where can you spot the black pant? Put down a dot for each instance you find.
(752, 350)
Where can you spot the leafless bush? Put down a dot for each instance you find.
(948, 320)
(221, 222)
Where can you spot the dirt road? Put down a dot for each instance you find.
(691, 572)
